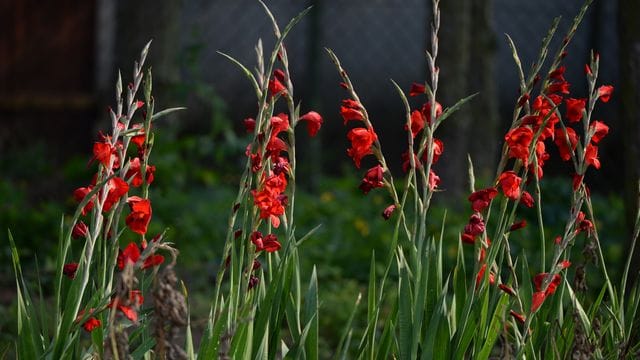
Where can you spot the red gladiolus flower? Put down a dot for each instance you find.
(537, 299)
(540, 295)
(518, 225)
(351, 110)
(279, 123)
(276, 86)
(129, 312)
(480, 276)
(104, 152)
(117, 189)
(481, 199)
(426, 111)
(139, 138)
(519, 317)
(475, 226)
(527, 199)
(587, 70)
(558, 73)
(510, 184)
(406, 161)
(129, 255)
(361, 141)
(576, 181)
(507, 289)
(388, 211)
(561, 87)
(249, 124)
(538, 281)
(584, 225)
(604, 93)
(417, 123)
(314, 121)
(523, 99)
(561, 142)
(518, 140)
(438, 149)
(136, 297)
(253, 281)
(599, 130)
(69, 270)
(91, 324)
(575, 107)
(417, 89)
(135, 171)
(79, 194)
(281, 166)
(268, 243)
(140, 216)
(564, 264)
(79, 230)
(591, 156)
(372, 179)
(434, 180)
(152, 260)
(468, 238)
(256, 160)
(270, 200)
(275, 147)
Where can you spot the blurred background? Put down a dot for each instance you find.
(59, 61)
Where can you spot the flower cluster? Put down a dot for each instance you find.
(118, 174)
(269, 161)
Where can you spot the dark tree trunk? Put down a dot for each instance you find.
(455, 54)
(630, 106)
(467, 46)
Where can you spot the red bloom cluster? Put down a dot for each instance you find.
(314, 122)
(140, 216)
(474, 227)
(362, 140)
(131, 254)
(91, 323)
(541, 294)
(372, 179)
(129, 305)
(510, 184)
(270, 198)
(134, 173)
(267, 243)
(276, 83)
(351, 111)
(481, 199)
(480, 276)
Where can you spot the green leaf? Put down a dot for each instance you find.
(28, 346)
(449, 111)
(436, 347)
(246, 72)
(405, 315)
(516, 59)
(311, 316)
(494, 327)
(142, 350)
(166, 112)
(299, 347)
(387, 339)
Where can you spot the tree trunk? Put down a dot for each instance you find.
(467, 46)
(630, 106)
(455, 54)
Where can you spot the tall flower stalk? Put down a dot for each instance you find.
(258, 283)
